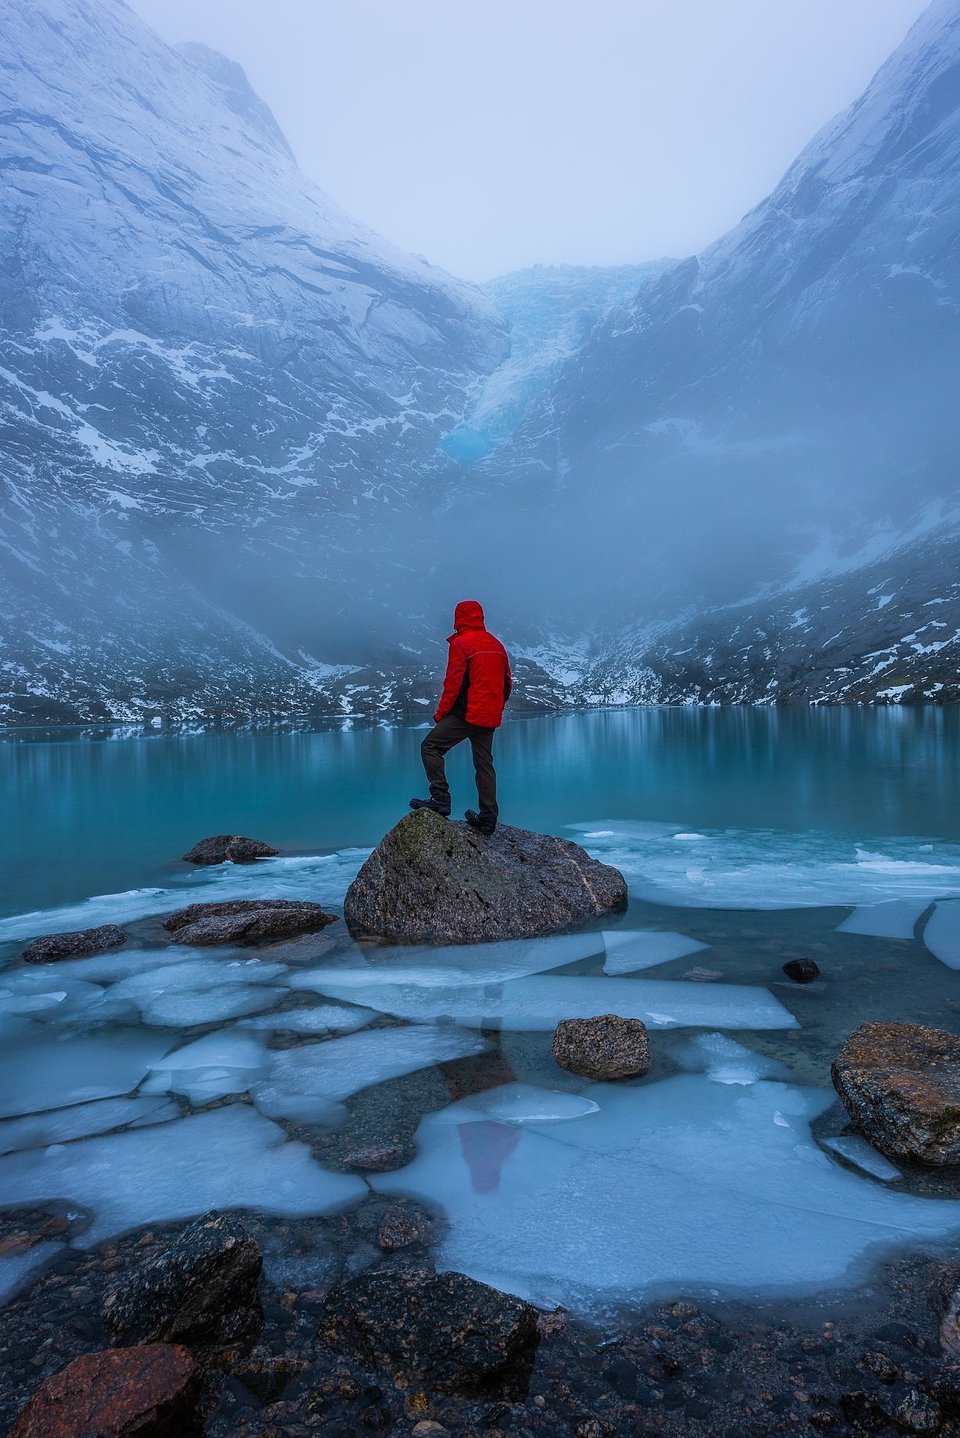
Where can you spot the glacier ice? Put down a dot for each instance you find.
(856, 1150)
(724, 1060)
(678, 1184)
(60, 1125)
(229, 1158)
(539, 1002)
(896, 919)
(309, 1079)
(941, 933)
(628, 950)
(38, 1074)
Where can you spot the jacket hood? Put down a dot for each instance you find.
(467, 615)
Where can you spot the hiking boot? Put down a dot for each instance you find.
(433, 804)
(483, 823)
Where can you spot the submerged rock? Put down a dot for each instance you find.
(200, 1290)
(146, 1392)
(607, 1047)
(79, 944)
(234, 848)
(430, 881)
(900, 1084)
(802, 971)
(246, 921)
(443, 1331)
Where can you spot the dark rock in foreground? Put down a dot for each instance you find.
(802, 971)
(147, 1392)
(900, 1084)
(201, 1290)
(430, 881)
(234, 848)
(246, 921)
(76, 945)
(442, 1331)
(607, 1047)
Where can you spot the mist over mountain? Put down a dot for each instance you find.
(252, 452)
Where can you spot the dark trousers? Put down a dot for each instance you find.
(450, 731)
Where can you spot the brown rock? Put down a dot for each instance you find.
(147, 1392)
(232, 848)
(607, 1047)
(430, 881)
(404, 1225)
(246, 921)
(78, 944)
(900, 1084)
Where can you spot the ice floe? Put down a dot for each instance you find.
(304, 1083)
(770, 869)
(724, 1060)
(232, 1157)
(680, 1184)
(39, 1074)
(220, 1063)
(80, 1121)
(321, 1019)
(541, 1001)
(895, 919)
(941, 934)
(518, 1103)
(856, 1150)
(629, 950)
(201, 990)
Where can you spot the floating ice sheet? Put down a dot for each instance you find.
(218, 1064)
(63, 1124)
(895, 919)
(436, 967)
(857, 1150)
(35, 1076)
(320, 878)
(769, 869)
(321, 1019)
(724, 1060)
(540, 1002)
(229, 1158)
(518, 1103)
(677, 1185)
(334, 1070)
(942, 934)
(628, 950)
(204, 1006)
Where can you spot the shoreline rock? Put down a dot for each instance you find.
(145, 1392)
(74, 944)
(229, 848)
(900, 1083)
(245, 921)
(431, 881)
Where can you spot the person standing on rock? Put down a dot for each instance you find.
(476, 686)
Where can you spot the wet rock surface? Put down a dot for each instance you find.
(900, 1083)
(201, 1290)
(442, 1331)
(146, 1392)
(232, 848)
(245, 921)
(607, 1047)
(430, 881)
(77, 944)
(802, 971)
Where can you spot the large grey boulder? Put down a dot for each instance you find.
(900, 1084)
(77, 944)
(232, 848)
(430, 881)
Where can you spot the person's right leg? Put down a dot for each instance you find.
(448, 732)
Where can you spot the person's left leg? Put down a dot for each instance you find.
(445, 734)
(481, 744)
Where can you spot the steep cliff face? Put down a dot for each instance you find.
(217, 391)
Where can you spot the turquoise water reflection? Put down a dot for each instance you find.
(84, 815)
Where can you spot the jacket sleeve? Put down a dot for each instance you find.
(507, 678)
(452, 680)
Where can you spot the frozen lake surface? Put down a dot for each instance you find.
(154, 1082)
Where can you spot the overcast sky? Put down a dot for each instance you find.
(492, 134)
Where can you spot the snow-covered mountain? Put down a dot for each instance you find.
(549, 311)
(789, 392)
(217, 391)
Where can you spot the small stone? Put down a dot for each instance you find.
(880, 1366)
(402, 1226)
(77, 944)
(802, 971)
(863, 1411)
(232, 848)
(428, 1429)
(245, 921)
(604, 1048)
(145, 1392)
(916, 1413)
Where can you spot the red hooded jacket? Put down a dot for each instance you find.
(478, 681)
